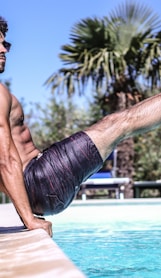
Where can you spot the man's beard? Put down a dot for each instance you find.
(2, 67)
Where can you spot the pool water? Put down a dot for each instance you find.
(116, 240)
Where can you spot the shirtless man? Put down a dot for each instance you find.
(46, 183)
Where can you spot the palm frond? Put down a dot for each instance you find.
(127, 42)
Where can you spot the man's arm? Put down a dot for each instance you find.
(11, 171)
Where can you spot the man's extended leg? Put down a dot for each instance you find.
(112, 129)
(53, 180)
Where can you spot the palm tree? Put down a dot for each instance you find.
(115, 53)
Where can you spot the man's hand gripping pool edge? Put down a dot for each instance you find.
(41, 223)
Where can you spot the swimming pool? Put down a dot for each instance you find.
(112, 238)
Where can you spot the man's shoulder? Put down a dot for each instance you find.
(3, 88)
(5, 95)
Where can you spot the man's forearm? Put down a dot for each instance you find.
(15, 189)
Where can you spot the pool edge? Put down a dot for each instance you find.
(31, 253)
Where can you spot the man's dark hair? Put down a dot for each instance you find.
(3, 26)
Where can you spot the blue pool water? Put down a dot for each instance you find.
(116, 240)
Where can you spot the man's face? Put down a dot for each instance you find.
(4, 48)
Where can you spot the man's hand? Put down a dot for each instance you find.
(38, 223)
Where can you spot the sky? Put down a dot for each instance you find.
(37, 30)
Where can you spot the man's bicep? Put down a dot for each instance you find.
(5, 104)
(5, 108)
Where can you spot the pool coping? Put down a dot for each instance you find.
(116, 201)
(26, 253)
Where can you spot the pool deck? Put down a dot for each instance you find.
(26, 253)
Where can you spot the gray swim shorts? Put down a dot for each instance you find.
(53, 180)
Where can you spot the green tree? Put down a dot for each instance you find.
(113, 53)
(55, 121)
(148, 156)
(147, 160)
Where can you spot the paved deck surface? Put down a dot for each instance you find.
(30, 253)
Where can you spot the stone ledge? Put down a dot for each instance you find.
(28, 254)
